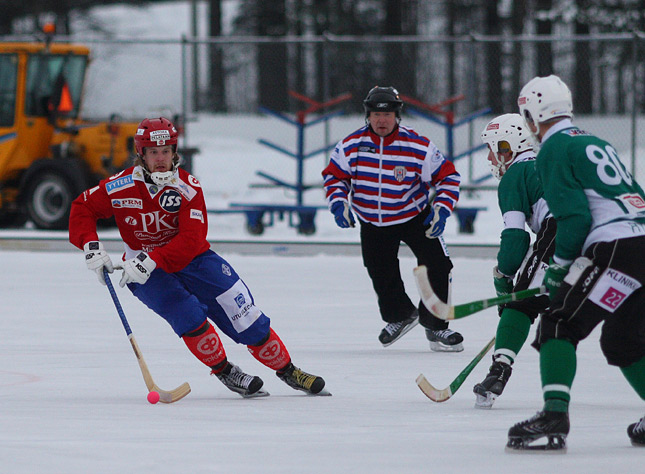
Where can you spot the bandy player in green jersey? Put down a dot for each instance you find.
(520, 265)
(596, 275)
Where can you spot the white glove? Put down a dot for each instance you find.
(96, 258)
(137, 269)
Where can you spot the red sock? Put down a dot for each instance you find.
(272, 352)
(206, 345)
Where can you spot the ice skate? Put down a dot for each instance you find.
(493, 385)
(554, 425)
(301, 380)
(445, 340)
(392, 332)
(636, 433)
(248, 386)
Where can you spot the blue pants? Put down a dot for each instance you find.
(207, 287)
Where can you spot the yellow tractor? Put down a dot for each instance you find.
(48, 153)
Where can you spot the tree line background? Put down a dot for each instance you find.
(429, 50)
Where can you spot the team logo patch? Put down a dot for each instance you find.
(226, 270)
(119, 183)
(399, 173)
(170, 200)
(127, 202)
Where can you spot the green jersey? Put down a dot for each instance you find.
(590, 193)
(521, 201)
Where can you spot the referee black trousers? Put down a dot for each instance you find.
(380, 249)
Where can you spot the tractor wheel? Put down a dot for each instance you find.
(48, 198)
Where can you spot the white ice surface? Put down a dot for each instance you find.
(72, 399)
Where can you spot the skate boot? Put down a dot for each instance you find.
(554, 425)
(636, 433)
(394, 331)
(445, 340)
(493, 385)
(239, 382)
(301, 380)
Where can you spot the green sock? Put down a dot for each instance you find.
(557, 369)
(635, 375)
(512, 330)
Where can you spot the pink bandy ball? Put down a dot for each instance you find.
(153, 397)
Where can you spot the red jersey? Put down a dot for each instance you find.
(169, 222)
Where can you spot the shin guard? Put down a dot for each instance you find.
(206, 345)
(272, 352)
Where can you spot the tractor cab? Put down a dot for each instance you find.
(48, 153)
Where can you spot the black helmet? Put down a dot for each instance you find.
(383, 99)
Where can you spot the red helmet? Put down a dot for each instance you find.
(155, 132)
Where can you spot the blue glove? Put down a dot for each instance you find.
(436, 221)
(503, 284)
(554, 276)
(342, 214)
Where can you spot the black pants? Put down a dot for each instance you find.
(380, 247)
(610, 290)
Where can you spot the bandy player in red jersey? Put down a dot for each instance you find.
(161, 215)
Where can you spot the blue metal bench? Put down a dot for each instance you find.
(466, 218)
(255, 223)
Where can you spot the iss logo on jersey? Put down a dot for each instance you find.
(128, 202)
(399, 173)
(170, 200)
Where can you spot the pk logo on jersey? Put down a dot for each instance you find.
(170, 200)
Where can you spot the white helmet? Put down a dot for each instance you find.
(509, 128)
(544, 98)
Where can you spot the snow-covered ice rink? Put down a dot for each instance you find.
(72, 399)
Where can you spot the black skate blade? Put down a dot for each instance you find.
(258, 394)
(556, 444)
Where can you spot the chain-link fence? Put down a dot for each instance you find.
(238, 75)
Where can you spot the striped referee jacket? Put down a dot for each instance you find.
(389, 178)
